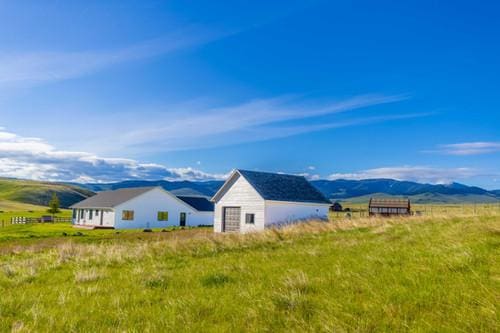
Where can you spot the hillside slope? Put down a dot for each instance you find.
(40, 193)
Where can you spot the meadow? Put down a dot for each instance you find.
(437, 274)
(9, 209)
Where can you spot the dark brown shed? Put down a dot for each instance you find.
(389, 206)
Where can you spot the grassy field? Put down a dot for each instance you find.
(418, 274)
(357, 210)
(9, 209)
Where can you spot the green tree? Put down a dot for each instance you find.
(54, 204)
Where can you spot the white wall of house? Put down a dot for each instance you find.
(200, 218)
(278, 212)
(147, 205)
(241, 194)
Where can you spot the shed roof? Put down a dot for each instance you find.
(389, 203)
(199, 203)
(111, 199)
(279, 187)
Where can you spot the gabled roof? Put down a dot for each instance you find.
(389, 203)
(201, 204)
(277, 187)
(111, 199)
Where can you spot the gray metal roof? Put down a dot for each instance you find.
(281, 187)
(111, 199)
(201, 204)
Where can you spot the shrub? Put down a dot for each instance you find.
(215, 280)
(157, 283)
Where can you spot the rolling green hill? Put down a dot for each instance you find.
(16, 194)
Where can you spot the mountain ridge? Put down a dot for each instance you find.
(340, 189)
(40, 192)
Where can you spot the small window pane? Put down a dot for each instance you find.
(250, 218)
(162, 216)
(90, 214)
(127, 215)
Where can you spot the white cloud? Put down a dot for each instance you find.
(469, 148)
(32, 158)
(421, 174)
(36, 67)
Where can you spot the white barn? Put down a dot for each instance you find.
(142, 207)
(251, 201)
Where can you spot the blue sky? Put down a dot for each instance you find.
(105, 91)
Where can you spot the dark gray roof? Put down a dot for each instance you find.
(280, 187)
(110, 199)
(201, 204)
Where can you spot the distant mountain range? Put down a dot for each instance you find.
(342, 190)
(39, 193)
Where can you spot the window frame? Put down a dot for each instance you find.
(162, 219)
(127, 215)
(251, 220)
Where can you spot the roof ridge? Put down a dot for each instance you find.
(272, 173)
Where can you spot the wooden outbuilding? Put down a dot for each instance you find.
(389, 206)
(253, 200)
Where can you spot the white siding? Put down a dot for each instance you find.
(241, 194)
(277, 212)
(147, 205)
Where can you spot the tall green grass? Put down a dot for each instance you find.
(367, 275)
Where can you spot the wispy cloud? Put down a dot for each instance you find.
(194, 127)
(421, 174)
(468, 148)
(33, 158)
(30, 68)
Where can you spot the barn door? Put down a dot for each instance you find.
(232, 218)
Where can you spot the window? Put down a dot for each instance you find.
(250, 218)
(127, 215)
(90, 214)
(74, 213)
(96, 212)
(162, 216)
(81, 213)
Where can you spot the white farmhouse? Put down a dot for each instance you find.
(251, 201)
(142, 207)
